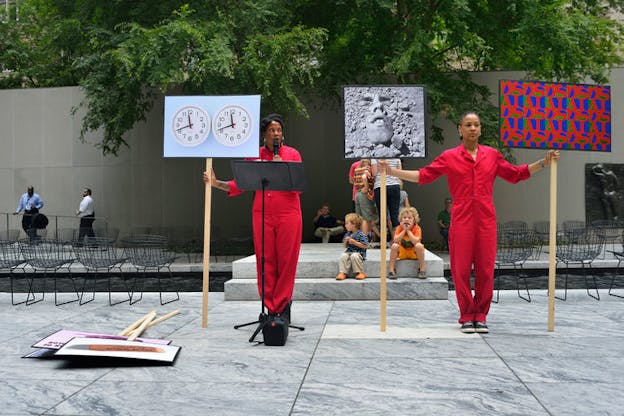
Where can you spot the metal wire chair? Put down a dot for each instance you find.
(99, 256)
(619, 255)
(149, 253)
(47, 256)
(513, 249)
(11, 260)
(580, 248)
(611, 230)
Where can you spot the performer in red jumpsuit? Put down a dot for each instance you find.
(471, 170)
(282, 223)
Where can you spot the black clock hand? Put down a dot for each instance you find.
(232, 120)
(225, 127)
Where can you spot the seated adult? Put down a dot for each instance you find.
(326, 225)
(444, 221)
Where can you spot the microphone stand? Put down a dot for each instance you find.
(263, 316)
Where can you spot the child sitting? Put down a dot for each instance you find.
(356, 242)
(406, 243)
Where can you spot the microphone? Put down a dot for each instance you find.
(276, 146)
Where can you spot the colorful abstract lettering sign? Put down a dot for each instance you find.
(546, 115)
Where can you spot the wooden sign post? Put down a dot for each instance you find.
(382, 251)
(206, 258)
(552, 246)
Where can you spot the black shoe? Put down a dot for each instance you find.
(467, 328)
(285, 314)
(481, 327)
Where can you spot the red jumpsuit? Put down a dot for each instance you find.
(472, 234)
(282, 236)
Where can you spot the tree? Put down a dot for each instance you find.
(438, 43)
(285, 50)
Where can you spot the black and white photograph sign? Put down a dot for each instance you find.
(384, 121)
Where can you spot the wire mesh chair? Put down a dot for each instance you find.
(47, 256)
(149, 253)
(513, 249)
(580, 248)
(100, 257)
(619, 255)
(541, 230)
(11, 260)
(611, 230)
(573, 229)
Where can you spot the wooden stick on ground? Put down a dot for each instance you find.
(163, 318)
(137, 332)
(133, 326)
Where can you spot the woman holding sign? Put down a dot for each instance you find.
(471, 169)
(282, 222)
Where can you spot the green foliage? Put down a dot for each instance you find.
(122, 53)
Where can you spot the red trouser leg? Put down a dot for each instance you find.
(484, 277)
(461, 250)
(282, 242)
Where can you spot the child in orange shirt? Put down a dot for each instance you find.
(407, 242)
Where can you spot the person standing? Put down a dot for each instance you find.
(471, 169)
(86, 213)
(393, 192)
(282, 222)
(30, 203)
(444, 221)
(353, 180)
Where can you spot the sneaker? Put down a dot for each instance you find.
(341, 276)
(481, 327)
(360, 276)
(467, 328)
(422, 274)
(392, 275)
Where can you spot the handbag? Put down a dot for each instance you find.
(275, 330)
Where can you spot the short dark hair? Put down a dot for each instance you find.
(88, 191)
(274, 117)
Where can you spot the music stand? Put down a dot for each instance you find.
(253, 175)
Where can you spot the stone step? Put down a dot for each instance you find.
(350, 289)
(317, 269)
(321, 260)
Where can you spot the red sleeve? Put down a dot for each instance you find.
(512, 173)
(234, 191)
(434, 170)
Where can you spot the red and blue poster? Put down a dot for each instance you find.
(543, 115)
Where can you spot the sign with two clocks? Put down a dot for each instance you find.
(212, 126)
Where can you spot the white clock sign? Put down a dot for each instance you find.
(212, 126)
(232, 125)
(190, 125)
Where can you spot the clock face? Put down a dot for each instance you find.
(191, 126)
(232, 125)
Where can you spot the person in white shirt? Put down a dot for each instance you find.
(87, 215)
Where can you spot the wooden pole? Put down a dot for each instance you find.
(133, 326)
(382, 251)
(206, 261)
(552, 247)
(137, 332)
(163, 318)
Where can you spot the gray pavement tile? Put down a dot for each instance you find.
(340, 364)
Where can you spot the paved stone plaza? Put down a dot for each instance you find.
(342, 364)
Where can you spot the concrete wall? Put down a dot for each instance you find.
(39, 145)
